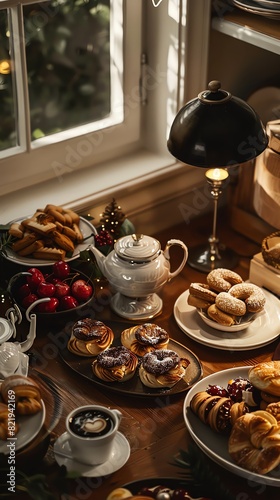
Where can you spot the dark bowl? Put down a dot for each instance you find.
(60, 315)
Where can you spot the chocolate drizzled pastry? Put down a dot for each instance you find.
(116, 364)
(90, 337)
(145, 338)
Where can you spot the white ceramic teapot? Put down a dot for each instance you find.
(137, 269)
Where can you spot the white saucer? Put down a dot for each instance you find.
(119, 456)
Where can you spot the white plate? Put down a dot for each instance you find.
(264, 329)
(252, 7)
(87, 229)
(119, 456)
(30, 425)
(234, 328)
(213, 444)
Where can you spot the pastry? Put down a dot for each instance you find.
(201, 292)
(221, 280)
(219, 412)
(141, 339)
(266, 377)
(89, 337)
(116, 364)
(26, 391)
(252, 295)
(219, 316)
(230, 304)
(162, 368)
(254, 442)
(8, 426)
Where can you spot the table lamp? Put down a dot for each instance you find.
(216, 131)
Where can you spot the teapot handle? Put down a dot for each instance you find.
(185, 257)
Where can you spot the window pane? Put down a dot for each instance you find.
(68, 64)
(8, 136)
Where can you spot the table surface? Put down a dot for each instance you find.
(154, 426)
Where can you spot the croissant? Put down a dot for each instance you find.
(254, 442)
(8, 427)
(27, 394)
(218, 412)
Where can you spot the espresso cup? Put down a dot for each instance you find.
(92, 430)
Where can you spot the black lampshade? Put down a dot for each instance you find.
(216, 129)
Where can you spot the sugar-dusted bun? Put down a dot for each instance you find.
(162, 368)
(252, 295)
(145, 338)
(115, 364)
(90, 337)
(230, 304)
(221, 280)
(266, 377)
(202, 291)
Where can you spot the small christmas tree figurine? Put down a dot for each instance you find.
(112, 219)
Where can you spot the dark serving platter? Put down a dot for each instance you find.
(134, 386)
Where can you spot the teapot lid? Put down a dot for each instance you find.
(137, 247)
(5, 330)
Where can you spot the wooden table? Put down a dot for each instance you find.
(154, 427)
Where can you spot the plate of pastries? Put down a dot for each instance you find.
(227, 313)
(156, 488)
(138, 360)
(234, 417)
(22, 412)
(51, 234)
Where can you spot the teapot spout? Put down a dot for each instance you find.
(100, 258)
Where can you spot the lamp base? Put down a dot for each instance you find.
(202, 259)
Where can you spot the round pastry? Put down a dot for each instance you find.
(221, 280)
(274, 409)
(162, 368)
(252, 295)
(90, 337)
(201, 291)
(230, 304)
(115, 364)
(254, 442)
(145, 338)
(266, 377)
(198, 303)
(219, 316)
(26, 391)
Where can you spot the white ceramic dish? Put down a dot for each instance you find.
(30, 426)
(119, 456)
(88, 231)
(254, 8)
(262, 331)
(213, 444)
(234, 328)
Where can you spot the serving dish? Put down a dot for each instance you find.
(242, 325)
(87, 229)
(214, 445)
(262, 331)
(273, 12)
(169, 482)
(134, 386)
(30, 426)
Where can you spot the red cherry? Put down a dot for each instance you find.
(23, 291)
(35, 278)
(45, 289)
(61, 289)
(29, 299)
(81, 290)
(48, 307)
(68, 302)
(61, 269)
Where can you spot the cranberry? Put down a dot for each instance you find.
(217, 390)
(45, 289)
(61, 269)
(35, 278)
(68, 302)
(81, 290)
(61, 289)
(237, 386)
(29, 299)
(48, 307)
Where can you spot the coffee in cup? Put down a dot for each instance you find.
(92, 430)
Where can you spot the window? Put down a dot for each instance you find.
(62, 85)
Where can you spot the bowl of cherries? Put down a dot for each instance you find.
(58, 292)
